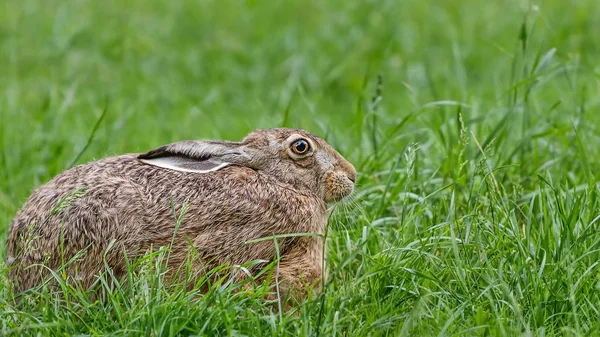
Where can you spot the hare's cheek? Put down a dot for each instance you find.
(337, 187)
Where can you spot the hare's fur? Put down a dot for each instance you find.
(124, 204)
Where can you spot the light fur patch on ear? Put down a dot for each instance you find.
(184, 164)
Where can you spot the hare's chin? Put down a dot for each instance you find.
(340, 196)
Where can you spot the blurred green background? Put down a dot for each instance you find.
(523, 77)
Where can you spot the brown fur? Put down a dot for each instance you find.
(267, 191)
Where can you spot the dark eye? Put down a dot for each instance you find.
(300, 146)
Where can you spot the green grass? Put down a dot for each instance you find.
(477, 203)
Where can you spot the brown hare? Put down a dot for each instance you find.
(273, 182)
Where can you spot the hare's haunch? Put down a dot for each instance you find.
(273, 182)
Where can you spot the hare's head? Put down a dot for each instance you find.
(292, 156)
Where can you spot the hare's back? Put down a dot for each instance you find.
(127, 191)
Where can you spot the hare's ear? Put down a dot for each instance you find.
(197, 156)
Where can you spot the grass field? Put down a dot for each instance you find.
(477, 206)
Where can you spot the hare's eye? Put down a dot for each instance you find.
(300, 146)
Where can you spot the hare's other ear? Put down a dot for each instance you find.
(197, 156)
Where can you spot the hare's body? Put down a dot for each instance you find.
(121, 205)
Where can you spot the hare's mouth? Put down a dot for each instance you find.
(337, 187)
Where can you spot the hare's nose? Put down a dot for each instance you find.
(352, 176)
(348, 170)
